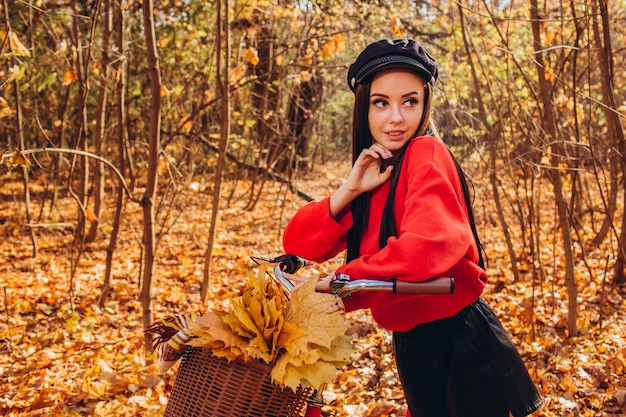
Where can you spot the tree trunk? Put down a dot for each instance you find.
(265, 104)
(19, 125)
(549, 126)
(122, 139)
(303, 104)
(616, 130)
(100, 131)
(492, 138)
(223, 32)
(79, 164)
(149, 196)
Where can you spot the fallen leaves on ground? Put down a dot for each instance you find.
(61, 355)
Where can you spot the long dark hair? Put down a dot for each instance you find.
(362, 139)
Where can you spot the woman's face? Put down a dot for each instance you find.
(396, 107)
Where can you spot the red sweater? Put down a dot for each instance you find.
(434, 240)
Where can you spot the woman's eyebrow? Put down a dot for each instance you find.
(403, 95)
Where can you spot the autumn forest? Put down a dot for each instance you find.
(151, 148)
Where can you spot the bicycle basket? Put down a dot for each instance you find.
(208, 386)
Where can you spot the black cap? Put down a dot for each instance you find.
(392, 53)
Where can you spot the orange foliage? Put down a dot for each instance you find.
(61, 355)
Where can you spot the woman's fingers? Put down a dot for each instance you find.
(295, 278)
(377, 151)
(381, 150)
(322, 285)
(376, 155)
(377, 159)
(368, 171)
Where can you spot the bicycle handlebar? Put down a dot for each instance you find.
(344, 288)
(432, 286)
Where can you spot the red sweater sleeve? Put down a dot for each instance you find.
(314, 234)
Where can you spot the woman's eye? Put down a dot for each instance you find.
(412, 102)
(379, 103)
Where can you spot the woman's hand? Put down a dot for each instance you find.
(366, 174)
(322, 285)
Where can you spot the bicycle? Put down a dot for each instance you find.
(213, 387)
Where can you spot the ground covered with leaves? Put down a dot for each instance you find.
(62, 355)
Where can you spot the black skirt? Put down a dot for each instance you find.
(464, 366)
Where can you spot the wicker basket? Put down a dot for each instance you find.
(208, 386)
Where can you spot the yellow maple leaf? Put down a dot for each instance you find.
(289, 333)
(260, 311)
(240, 321)
(313, 367)
(209, 331)
(246, 322)
(314, 374)
(338, 354)
(319, 315)
(313, 358)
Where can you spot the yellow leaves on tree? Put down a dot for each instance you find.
(396, 26)
(304, 338)
(17, 47)
(335, 45)
(69, 77)
(15, 159)
(252, 55)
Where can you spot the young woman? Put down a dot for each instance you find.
(403, 213)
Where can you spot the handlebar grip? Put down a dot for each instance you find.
(289, 263)
(432, 286)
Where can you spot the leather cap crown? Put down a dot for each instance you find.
(388, 53)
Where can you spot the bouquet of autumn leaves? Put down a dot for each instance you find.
(302, 336)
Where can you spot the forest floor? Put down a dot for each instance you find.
(62, 355)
